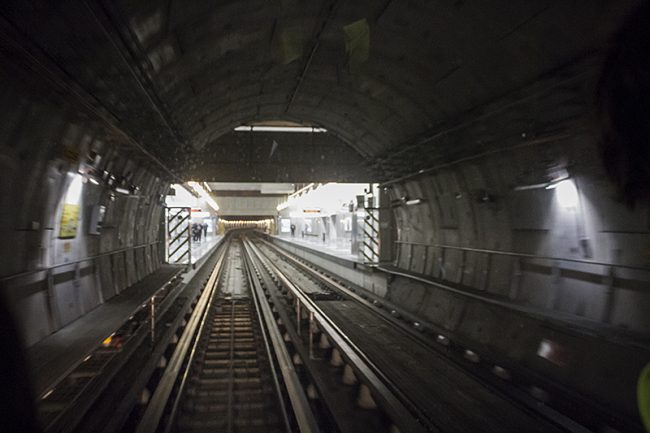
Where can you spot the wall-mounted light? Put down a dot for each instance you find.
(90, 174)
(405, 200)
(566, 193)
(122, 190)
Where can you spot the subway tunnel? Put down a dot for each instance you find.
(325, 216)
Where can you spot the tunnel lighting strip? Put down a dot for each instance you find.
(204, 194)
(279, 129)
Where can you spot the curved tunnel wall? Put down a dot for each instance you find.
(487, 223)
(45, 144)
(524, 273)
(473, 229)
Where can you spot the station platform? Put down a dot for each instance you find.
(200, 249)
(51, 358)
(328, 248)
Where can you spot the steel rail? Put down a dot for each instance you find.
(403, 412)
(253, 284)
(231, 368)
(301, 408)
(155, 410)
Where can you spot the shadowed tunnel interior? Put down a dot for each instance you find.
(506, 143)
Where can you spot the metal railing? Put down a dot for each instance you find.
(47, 277)
(609, 275)
(74, 262)
(523, 255)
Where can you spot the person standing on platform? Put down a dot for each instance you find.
(293, 230)
(196, 232)
(205, 230)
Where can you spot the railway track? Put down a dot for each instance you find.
(224, 375)
(273, 345)
(231, 386)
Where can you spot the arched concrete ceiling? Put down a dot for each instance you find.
(377, 74)
(427, 61)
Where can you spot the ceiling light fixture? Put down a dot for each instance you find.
(279, 129)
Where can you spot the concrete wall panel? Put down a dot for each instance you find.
(105, 272)
(67, 303)
(131, 270)
(486, 227)
(33, 316)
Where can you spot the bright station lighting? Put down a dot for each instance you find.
(279, 129)
(73, 195)
(320, 199)
(204, 194)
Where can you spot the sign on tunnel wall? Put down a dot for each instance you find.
(69, 221)
(70, 209)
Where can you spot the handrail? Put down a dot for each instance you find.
(523, 255)
(74, 262)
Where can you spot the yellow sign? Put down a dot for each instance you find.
(69, 221)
